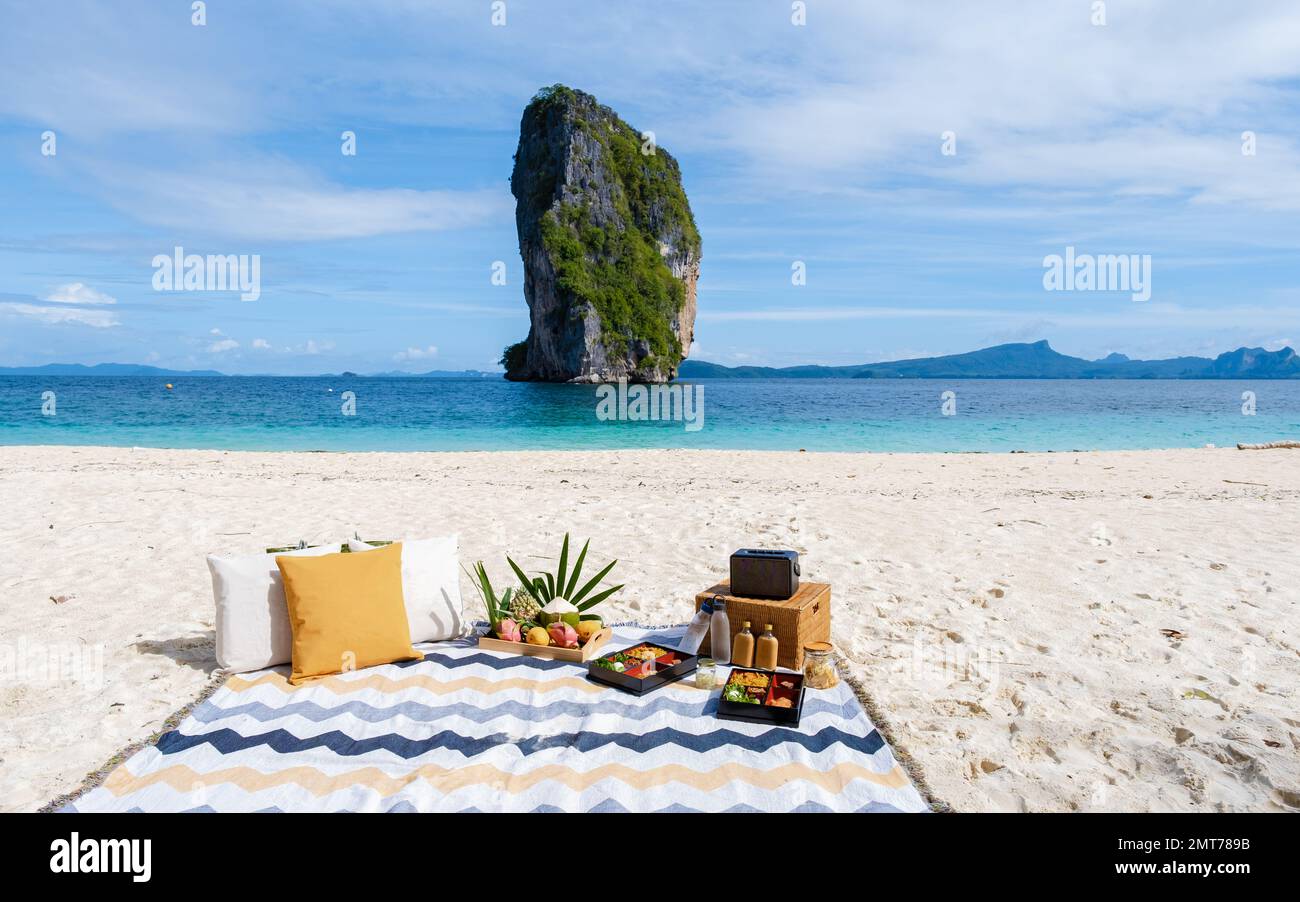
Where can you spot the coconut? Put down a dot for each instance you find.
(560, 609)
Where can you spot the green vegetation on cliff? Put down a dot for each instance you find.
(515, 356)
(620, 271)
(621, 274)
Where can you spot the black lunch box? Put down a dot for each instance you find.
(762, 713)
(685, 664)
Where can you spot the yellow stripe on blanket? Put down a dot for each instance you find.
(381, 683)
(447, 780)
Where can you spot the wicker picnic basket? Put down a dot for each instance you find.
(802, 618)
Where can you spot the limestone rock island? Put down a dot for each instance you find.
(610, 249)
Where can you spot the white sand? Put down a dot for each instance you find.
(1004, 610)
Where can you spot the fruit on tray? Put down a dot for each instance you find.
(508, 631)
(557, 610)
(587, 629)
(523, 606)
(563, 635)
(538, 636)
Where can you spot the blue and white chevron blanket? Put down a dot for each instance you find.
(471, 730)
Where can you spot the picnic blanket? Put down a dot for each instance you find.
(471, 730)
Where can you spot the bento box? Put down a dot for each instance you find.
(762, 696)
(642, 668)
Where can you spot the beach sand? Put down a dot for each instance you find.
(1005, 612)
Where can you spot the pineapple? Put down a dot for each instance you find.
(523, 608)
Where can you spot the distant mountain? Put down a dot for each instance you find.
(1027, 361)
(135, 369)
(99, 369)
(1036, 360)
(435, 374)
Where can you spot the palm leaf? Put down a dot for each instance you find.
(577, 571)
(524, 578)
(550, 586)
(478, 576)
(487, 583)
(564, 564)
(592, 583)
(597, 599)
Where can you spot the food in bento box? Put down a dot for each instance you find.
(619, 661)
(639, 662)
(782, 702)
(645, 652)
(738, 694)
(748, 678)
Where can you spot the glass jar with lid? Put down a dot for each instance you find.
(819, 666)
(706, 674)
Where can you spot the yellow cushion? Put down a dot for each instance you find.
(346, 611)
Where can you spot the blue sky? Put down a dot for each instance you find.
(818, 143)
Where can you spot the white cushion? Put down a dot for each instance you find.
(252, 616)
(430, 586)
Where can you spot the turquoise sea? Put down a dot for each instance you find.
(405, 414)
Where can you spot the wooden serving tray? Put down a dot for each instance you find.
(554, 653)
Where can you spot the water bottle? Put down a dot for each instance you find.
(695, 632)
(720, 631)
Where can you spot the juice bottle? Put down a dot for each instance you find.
(742, 648)
(765, 657)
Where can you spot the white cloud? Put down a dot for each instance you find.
(220, 347)
(416, 353)
(312, 347)
(78, 293)
(1121, 315)
(99, 319)
(1153, 103)
(824, 314)
(271, 200)
(261, 344)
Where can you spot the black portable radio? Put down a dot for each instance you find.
(762, 573)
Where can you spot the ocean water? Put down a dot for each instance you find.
(403, 414)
